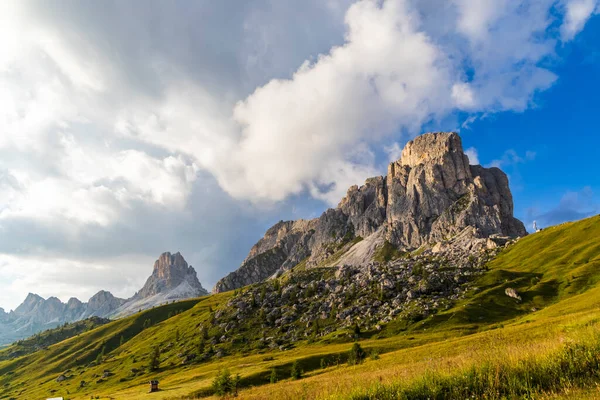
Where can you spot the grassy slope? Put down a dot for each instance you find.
(49, 337)
(554, 271)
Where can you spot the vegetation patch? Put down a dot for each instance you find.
(387, 252)
(574, 365)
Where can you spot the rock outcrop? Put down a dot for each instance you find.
(316, 302)
(170, 271)
(429, 196)
(172, 279)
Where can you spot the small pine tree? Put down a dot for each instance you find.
(296, 371)
(154, 362)
(263, 293)
(273, 375)
(356, 331)
(201, 346)
(357, 354)
(177, 335)
(222, 383)
(323, 363)
(122, 341)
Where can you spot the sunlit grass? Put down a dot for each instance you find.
(555, 271)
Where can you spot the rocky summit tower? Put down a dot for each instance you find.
(429, 196)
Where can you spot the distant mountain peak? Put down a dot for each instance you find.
(170, 271)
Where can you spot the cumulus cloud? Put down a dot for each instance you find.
(113, 127)
(577, 13)
(511, 158)
(393, 72)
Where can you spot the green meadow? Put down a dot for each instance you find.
(488, 345)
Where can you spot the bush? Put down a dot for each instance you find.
(357, 355)
(223, 383)
(374, 354)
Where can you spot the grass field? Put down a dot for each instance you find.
(488, 345)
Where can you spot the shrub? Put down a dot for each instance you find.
(374, 354)
(357, 354)
(224, 383)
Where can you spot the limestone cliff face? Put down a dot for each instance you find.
(433, 194)
(428, 196)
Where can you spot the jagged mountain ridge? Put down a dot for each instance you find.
(171, 279)
(428, 196)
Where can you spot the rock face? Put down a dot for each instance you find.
(171, 279)
(102, 303)
(429, 196)
(170, 271)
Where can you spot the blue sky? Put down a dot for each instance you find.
(562, 130)
(194, 126)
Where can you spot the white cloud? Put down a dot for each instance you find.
(511, 157)
(105, 118)
(577, 14)
(471, 152)
(393, 151)
(65, 278)
(463, 96)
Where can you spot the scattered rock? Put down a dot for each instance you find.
(510, 292)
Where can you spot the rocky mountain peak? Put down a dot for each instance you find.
(435, 147)
(31, 302)
(430, 195)
(170, 271)
(169, 266)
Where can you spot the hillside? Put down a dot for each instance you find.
(49, 337)
(554, 272)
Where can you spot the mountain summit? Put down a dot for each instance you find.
(171, 271)
(429, 196)
(172, 279)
